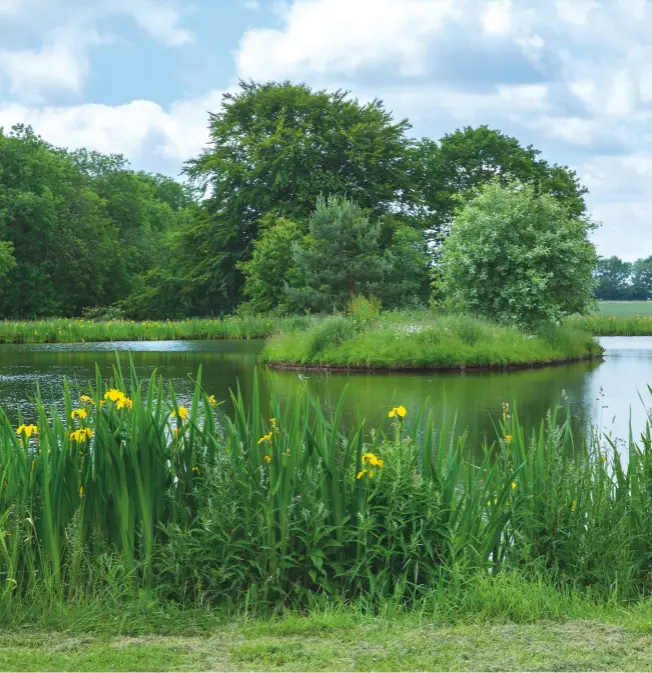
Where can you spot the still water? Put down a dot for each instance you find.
(602, 393)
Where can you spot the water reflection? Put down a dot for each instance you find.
(604, 393)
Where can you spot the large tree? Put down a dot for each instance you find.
(276, 148)
(520, 257)
(454, 167)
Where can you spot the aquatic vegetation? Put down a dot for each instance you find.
(272, 506)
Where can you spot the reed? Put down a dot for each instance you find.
(64, 330)
(270, 507)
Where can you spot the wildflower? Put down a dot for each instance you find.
(361, 474)
(265, 438)
(401, 412)
(124, 402)
(212, 401)
(513, 485)
(181, 413)
(267, 459)
(29, 430)
(573, 505)
(79, 413)
(81, 435)
(86, 399)
(508, 438)
(113, 394)
(373, 460)
(196, 469)
(273, 421)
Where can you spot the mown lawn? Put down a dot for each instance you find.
(624, 308)
(317, 645)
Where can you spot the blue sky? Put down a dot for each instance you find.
(571, 77)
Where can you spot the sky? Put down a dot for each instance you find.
(137, 77)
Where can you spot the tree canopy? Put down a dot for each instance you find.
(301, 198)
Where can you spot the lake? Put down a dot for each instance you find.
(603, 393)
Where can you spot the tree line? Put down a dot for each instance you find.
(620, 280)
(300, 200)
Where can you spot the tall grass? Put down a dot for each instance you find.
(614, 325)
(246, 512)
(63, 330)
(418, 340)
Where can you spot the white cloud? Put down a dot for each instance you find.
(66, 31)
(158, 19)
(341, 36)
(141, 129)
(575, 11)
(496, 18)
(62, 63)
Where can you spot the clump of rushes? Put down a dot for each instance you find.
(271, 507)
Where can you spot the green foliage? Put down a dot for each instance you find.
(416, 341)
(272, 267)
(345, 254)
(519, 257)
(277, 147)
(613, 279)
(82, 227)
(471, 157)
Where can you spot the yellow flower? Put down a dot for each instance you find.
(508, 438)
(181, 413)
(195, 469)
(573, 505)
(603, 458)
(361, 474)
(401, 412)
(29, 430)
(265, 438)
(79, 413)
(113, 395)
(513, 484)
(273, 421)
(373, 460)
(124, 402)
(81, 435)
(212, 401)
(267, 459)
(86, 399)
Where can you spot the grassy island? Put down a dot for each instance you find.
(419, 341)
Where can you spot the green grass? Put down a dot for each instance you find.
(483, 629)
(63, 330)
(420, 341)
(617, 318)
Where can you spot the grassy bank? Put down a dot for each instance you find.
(420, 341)
(63, 330)
(617, 318)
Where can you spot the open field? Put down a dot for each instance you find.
(618, 318)
(625, 308)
